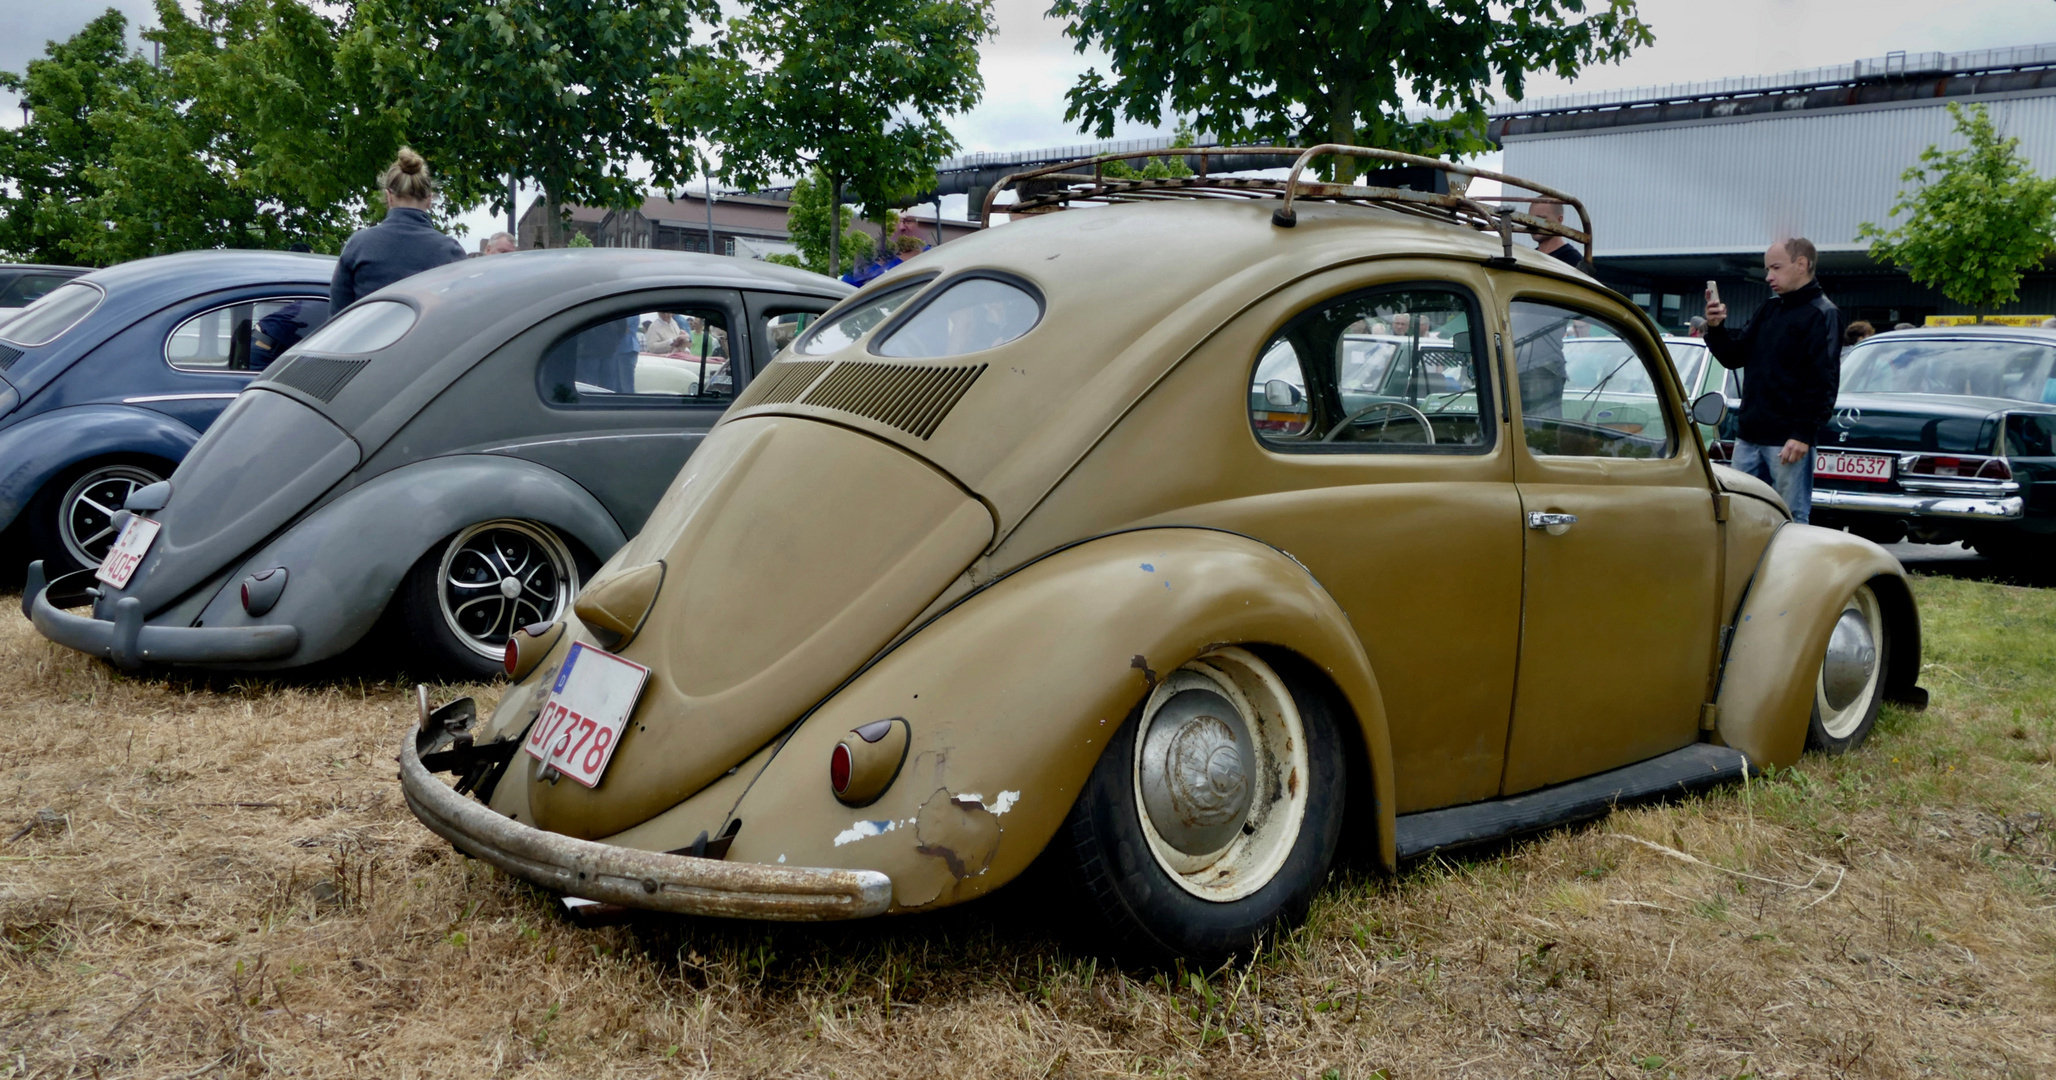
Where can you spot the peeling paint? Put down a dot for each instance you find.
(1005, 802)
(781, 859)
(1141, 663)
(861, 829)
(960, 836)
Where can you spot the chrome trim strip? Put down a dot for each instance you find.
(2008, 508)
(177, 397)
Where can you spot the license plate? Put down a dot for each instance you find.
(1840, 465)
(128, 551)
(581, 721)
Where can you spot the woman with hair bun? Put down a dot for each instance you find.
(402, 245)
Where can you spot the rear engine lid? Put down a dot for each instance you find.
(266, 459)
(793, 551)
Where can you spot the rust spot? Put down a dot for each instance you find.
(1141, 664)
(959, 836)
(1292, 784)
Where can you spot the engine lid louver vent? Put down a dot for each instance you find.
(781, 383)
(912, 399)
(319, 376)
(8, 355)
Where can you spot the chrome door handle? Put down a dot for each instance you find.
(1538, 519)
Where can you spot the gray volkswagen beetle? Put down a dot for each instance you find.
(455, 452)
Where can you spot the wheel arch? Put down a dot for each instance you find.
(347, 558)
(1781, 629)
(1012, 693)
(42, 448)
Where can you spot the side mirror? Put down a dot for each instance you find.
(1281, 394)
(1710, 409)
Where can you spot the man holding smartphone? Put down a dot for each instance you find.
(1792, 352)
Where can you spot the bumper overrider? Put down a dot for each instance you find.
(1972, 507)
(131, 643)
(652, 880)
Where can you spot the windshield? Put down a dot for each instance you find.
(1690, 360)
(2004, 369)
(59, 310)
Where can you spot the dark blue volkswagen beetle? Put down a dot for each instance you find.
(107, 380)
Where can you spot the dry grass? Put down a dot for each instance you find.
(227, 883)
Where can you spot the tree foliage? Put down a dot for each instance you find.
(1978, 220)
(554, 91)
(854, 89)
(1340, 71)
(808, 224)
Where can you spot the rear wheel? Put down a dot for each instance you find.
(1212, 816)
(1850, 685)
(71, 521)
(467, 596)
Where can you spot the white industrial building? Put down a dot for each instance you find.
(1692, 182)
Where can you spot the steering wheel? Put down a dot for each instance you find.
(1419, 417)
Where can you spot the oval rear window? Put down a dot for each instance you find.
(362, 329)
(840, 331)
(967, 316)
(59, 310)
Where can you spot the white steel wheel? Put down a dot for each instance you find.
(1221, 775)
(1850, 685)
(498, 576)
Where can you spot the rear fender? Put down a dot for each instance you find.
(1010, 696)
(34, 451)
(345, 560)
(1781, 634)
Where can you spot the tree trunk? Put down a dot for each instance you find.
(553, 221)
(1342, 126)
(835, 227)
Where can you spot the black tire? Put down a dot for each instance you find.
(468, 645)
(67, 522)
(1849, 687)
(1114, 863)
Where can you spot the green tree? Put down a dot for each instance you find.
(855, 89)
(807, 221)
(1980, 217)
(552, 91)
(44, 207)
(1332, 70)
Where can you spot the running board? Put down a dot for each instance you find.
(1701, 765)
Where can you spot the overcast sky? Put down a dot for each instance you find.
(1030, 64)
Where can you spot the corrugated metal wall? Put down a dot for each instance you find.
(1733, 186)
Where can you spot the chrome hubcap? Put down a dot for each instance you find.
(500, 576)
(1196, 766)
(89, 509)
(1851, 658)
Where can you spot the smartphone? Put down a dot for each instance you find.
(1712, 293)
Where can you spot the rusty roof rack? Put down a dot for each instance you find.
(1055, 187)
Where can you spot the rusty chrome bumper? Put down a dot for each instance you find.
(130, 642)
(640, 879)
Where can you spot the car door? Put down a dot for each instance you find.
(1618, 606)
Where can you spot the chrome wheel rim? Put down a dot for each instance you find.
(1220, 775)
(89, 507)
(499, 576)
(1850, 670)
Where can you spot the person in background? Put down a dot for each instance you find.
(499, 243)
(279, 331)
(1696, 327)
(1791, 349)
(1902, 326)
(2049, 324)
(664, 336)
(402, 245)
(1856, 332)
(1555, 246)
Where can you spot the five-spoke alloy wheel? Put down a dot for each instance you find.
(463, 600)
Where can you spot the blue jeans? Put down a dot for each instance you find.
(1794, 482)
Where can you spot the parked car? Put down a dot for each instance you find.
(1013, 556)
(460, 448)
(1943, 435)
(22, 284)
(108, 380)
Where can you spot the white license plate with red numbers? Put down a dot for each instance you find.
(582, 719)
(128, 551)
(1842, 465)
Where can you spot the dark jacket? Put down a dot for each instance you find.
(402, 245)
(1568, 253)
(1791, 353)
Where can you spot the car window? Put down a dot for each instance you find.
(243, 337)
(1586, 388)
(1392, 370)
(59, 310)
(2020, 370)
(676, 356)
(968, 315)
(1690, 360)
(364, 328)
(30, 286)
(782, 329)
(855, 321)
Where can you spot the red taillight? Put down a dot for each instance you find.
(246, 596)
(513, 656)
(839, 769)
(1995, 469)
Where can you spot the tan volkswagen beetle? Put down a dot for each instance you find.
(1178, 542)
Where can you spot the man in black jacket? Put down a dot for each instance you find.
(1791, 352)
